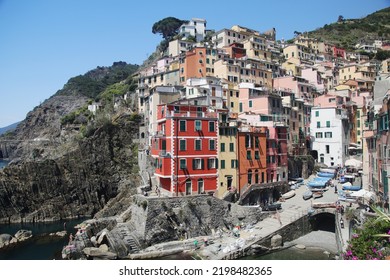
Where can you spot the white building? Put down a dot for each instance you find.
(196, 27)
(329, 130)
(208, 91)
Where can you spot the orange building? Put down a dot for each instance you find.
(252, 156)
(193, 65)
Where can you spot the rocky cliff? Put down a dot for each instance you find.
(84, 175)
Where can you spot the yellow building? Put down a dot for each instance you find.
(385, 66)
(364, 71)
(292, 67)
(227, 154)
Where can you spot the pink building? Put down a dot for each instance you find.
(298, 85)
(259, 100)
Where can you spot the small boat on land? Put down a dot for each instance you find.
(288, 195)
(325, 174)
(351, 188)
(317, 194)
(307, 195)
(324, 205)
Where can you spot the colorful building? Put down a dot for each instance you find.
(185, 149)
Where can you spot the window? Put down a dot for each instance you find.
(182, 125)
(327, 123)
(197, 163)
(198, 125)
(317, 113)
(198, 144)
(249, 176)
(231, 147)
(319, 135)
(328, 134)
(257, 155)
(318, 124)
(222, 147)
(222, 164)
(248, 141)
(211, 126)
(257, 142)
(241, 107)
(212, 163)
(183, 145)
(250, 103)
(248, 155)
(183, 163)
(327, 149)
(211, 144)
(234, 163)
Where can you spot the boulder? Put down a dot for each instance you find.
(276, 241)
(98, 253)
(23, 234)
(5, 239)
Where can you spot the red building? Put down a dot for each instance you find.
(185, 149)
(338, 52)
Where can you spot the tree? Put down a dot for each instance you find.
(167, 27)
(340, 19)
(297, 33)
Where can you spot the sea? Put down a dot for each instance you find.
(38, 247)
(3, 163)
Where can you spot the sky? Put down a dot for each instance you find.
(43, 43)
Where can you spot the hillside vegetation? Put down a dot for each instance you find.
(96, 81)
(348, 32)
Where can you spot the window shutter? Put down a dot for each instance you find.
(202, 163)
(193, 163)
(216, 163)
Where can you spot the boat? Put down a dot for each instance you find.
(317, 194)
(288, 195)
(324, 205)
(317, 184)
(351, 188)
(325, 174)
(307, 194)
(327, 170)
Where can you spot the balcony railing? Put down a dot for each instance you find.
(164, 153)
(192, 114)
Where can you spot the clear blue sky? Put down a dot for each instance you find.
(43, 43)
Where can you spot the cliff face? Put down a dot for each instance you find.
(78, 181)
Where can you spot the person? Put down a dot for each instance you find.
(196, 244)
(342, 223)
(342, 209)
(335, 189)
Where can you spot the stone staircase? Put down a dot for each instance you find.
(123, 241)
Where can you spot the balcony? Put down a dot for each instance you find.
(187, 114)
(160, 133)
(164, 154)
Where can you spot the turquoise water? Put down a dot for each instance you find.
(38, 248)
(3, 163)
